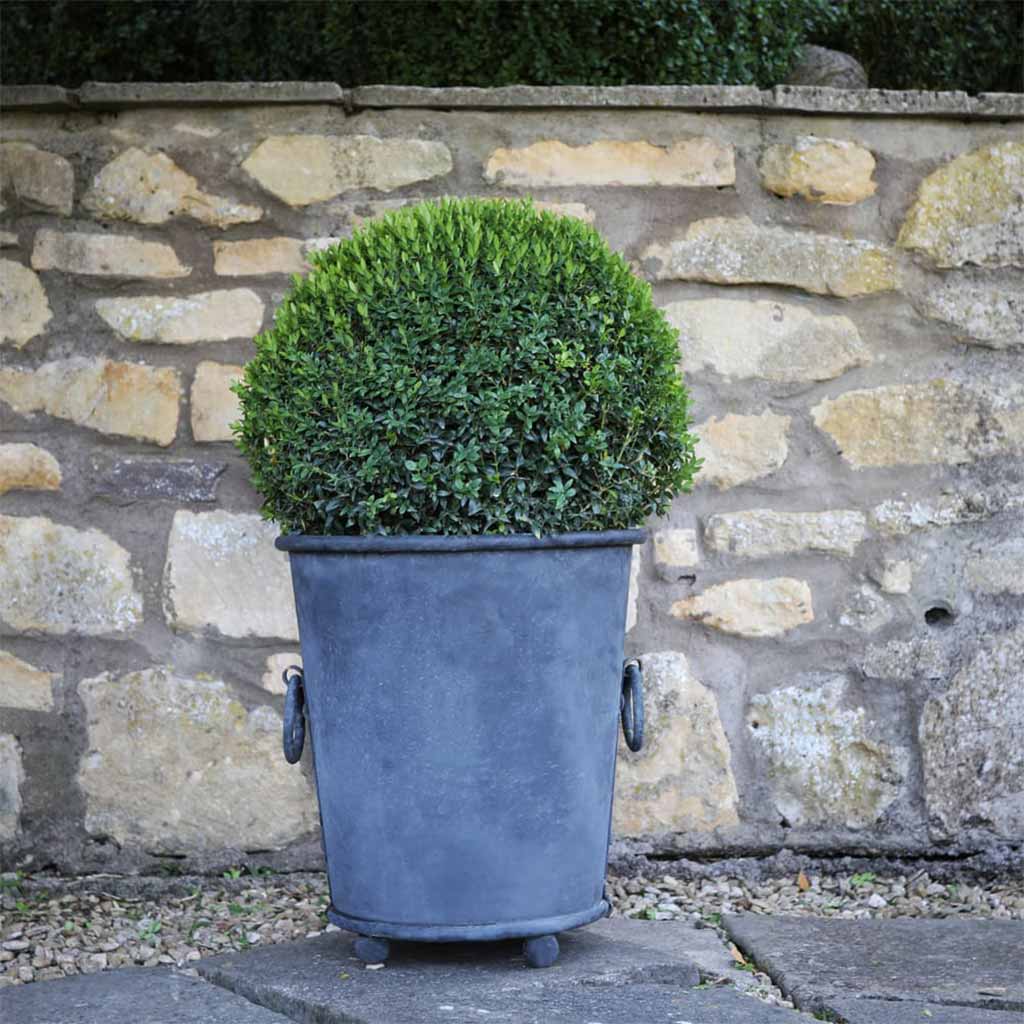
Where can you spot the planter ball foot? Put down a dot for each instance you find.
(371, 950)
(541, 951)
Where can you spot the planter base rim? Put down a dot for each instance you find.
(468, 932)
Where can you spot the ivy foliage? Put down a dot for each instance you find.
(975, 45)
(466, 367)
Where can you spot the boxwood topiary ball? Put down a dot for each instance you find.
(466, 367)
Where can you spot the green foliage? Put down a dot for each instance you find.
(466, 367)
(933, 44)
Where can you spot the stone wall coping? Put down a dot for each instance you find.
(781, 99)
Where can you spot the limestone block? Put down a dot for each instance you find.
(917, 658)
(675, 553)
(59, 580)
(35, 178)
(125, 399)
(982, 314)
(682, 780)
(971, 743)
(27, 467)
(214, 405)
(865, 610)
(738, 449)
(12, 776)
(184, 319)
(916, 424)
(178, 766)
(148, 478)
(773, 340)
(256, 256)
(750, 607)
(831, 171)
(224, 573)
(823, 763)
(894, 576)
(579, 211)
(272, 679)
(98, 255)
(24, 308)
(999, 570)
(971, 210)
(304, 169)
(8, 240)
(633, 597)
(898, 517)
(24, 686)
(763, 533)
(692, 161)
(727, 250)
(150, 188)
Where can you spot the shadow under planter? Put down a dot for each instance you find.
(463, 696)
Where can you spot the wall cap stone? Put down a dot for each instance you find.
(800, 99)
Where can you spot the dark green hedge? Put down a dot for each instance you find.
(974, 45)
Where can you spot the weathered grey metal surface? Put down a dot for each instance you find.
(463, 702)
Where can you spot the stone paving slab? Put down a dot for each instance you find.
(143, 995)
(884, 1011)
(614, 972)
(955, 962)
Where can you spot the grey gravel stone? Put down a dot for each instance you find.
(941, 961)
(130, 997)
(882, 1011)
(141, 477)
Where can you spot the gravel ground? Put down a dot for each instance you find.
(52, 927)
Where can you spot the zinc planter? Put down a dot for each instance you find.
(463, 696)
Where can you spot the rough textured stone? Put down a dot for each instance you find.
(127, 399)
(24, 686)
(917, 658)
(693, 161)
(682, 779)
(12, 775)
(128, 95)
(303, 169)
(914, 424)
(61, 580)
(831, 171)
(27, 467)
(150, 188)
(999, 570)
(147, 478)
(823, 765)
(865, 610)
(97, 255)
(762, 533)
(179, 765)
(257, 256)
(214, 405)
(750, 607)
(633, 597)
(727, 250)
(970, 742)
(738, 449)
(8, 240)
(24, 309)
(833, 69)
(579, 211)
(894, 576)
(773, 340)
(982, 314)
(900, 967)
(34, 178)
(971, 210)
(272, 679)
(675, 553)
(183, 319)
(898, 517)
(223, 572)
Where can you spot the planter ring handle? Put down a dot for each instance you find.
(631, 705)
(294, 735)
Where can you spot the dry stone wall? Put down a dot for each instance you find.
(830, 624)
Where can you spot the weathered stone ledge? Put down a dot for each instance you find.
(723, 98)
